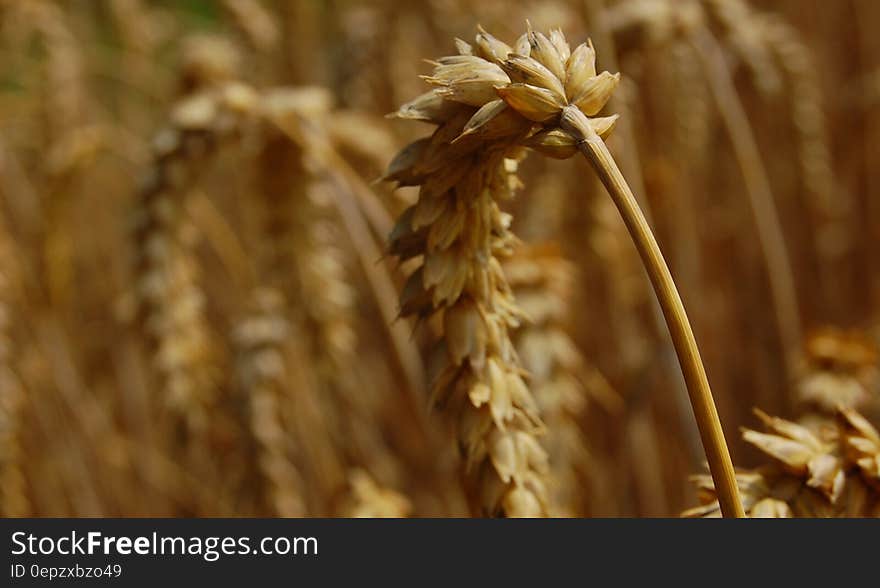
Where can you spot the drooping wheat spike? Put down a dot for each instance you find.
(169, 298)
(262, 372)
(831, 471)
(489, 100)
(370, 500)
(559, 376)
(460, 232)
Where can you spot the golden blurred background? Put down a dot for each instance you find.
(198, 316)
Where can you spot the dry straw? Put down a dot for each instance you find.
(489, 100)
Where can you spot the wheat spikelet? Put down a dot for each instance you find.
(170, 301)
(832, 471)
(262, 373)
(282, 185)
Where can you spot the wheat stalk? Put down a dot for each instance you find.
(543, 91)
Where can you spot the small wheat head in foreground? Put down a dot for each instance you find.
(489, 101)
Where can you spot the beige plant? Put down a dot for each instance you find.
(490, 100)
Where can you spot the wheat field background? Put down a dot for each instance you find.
(352, 258)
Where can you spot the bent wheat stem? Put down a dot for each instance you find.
(596, 152)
